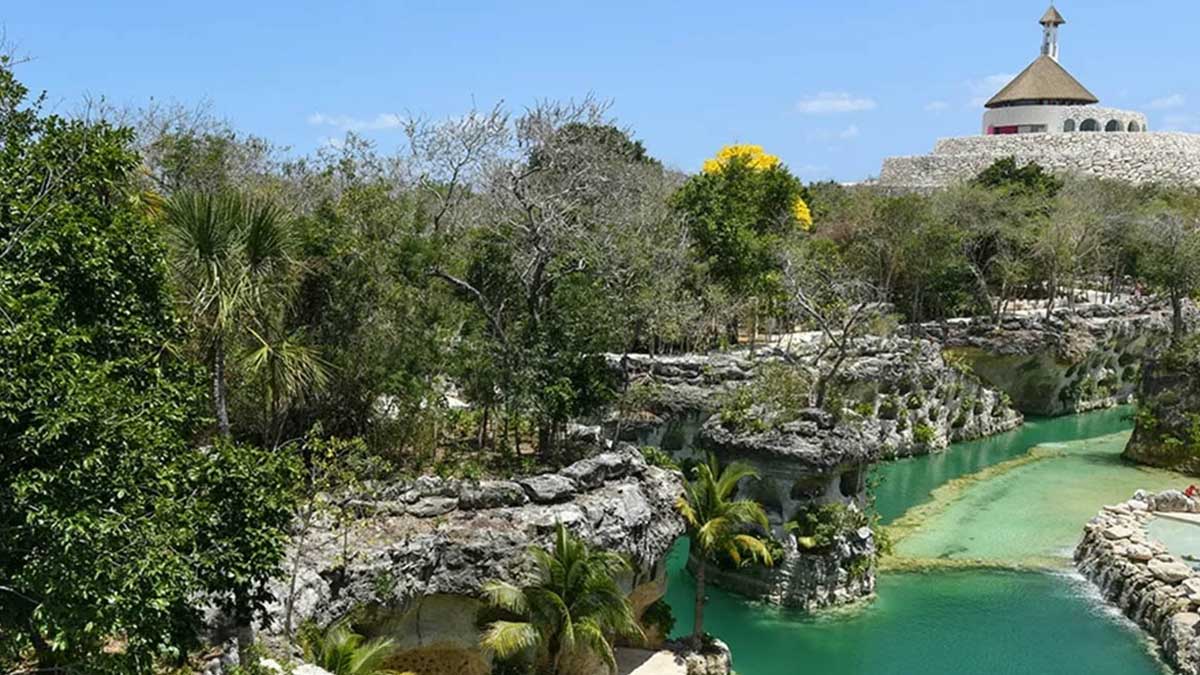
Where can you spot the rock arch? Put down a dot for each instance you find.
(1114, 125)
(1069, 126)
(1089, 125)
(1134, 126)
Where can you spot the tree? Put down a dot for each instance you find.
(243, 510)
(739, 210)
(825, 293)
(542, 245)
(718, 523)
(573, 607)
(1069, 244)
(95, 413)
(1170, 261)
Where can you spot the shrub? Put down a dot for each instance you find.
(660, 458)
(817, 526)
(924, 434)
(659, 615)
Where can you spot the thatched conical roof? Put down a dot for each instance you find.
(1043, 80)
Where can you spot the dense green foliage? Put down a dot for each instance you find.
(115, 519)
(570, 612)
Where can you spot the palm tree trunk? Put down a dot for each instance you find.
(698, 629)
(220, 406)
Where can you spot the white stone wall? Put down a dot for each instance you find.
(1158, 157)
(1053, 117)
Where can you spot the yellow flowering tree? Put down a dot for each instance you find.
(739, 209)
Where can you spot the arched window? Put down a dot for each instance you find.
(1114, 125)
(1069, 126)
(1133, 126)
(1089, 125)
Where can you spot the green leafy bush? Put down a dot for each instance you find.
(924, 434)
(660, 616)
(816, 526)
(660, 458)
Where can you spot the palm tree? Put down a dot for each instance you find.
(341, 651)
(572, 608)
(230, 256)
(718, 524)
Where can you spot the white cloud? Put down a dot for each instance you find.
(834, 102)
(986, 87)
(849, 132)
(936, 106)
(380, 122)
(1167, 102)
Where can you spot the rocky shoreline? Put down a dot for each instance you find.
(1155, 588)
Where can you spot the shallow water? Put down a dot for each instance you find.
(908, 482)
(1033, 513)
(1179, 537)
(980, 621)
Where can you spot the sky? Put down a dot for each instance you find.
(830, 86)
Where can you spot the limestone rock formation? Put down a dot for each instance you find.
(1079, 359)
(920, 401)
(1167, 432)
(415, 573)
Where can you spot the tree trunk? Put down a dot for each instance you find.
(1051, 294)
(220, 406)
(698, 629)
(1176, 316)
(823, 381)
(244, 626)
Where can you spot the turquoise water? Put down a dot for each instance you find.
(978, 621)
(908, 482)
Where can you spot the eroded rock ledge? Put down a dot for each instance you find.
(1157, 590)
(917, 400)
(412, 565)
(1079, 359)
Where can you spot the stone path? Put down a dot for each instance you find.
(646, 662)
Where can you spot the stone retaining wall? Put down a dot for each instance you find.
(1159, 157)
(1150, 585)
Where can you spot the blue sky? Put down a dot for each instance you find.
(832, 87)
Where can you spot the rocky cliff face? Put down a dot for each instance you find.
(412, 566)
(840, 574)
(1077, 360)
(1142, 578)
(919, 401)
(1167, 432)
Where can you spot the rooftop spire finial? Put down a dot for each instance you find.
(1051, 20)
